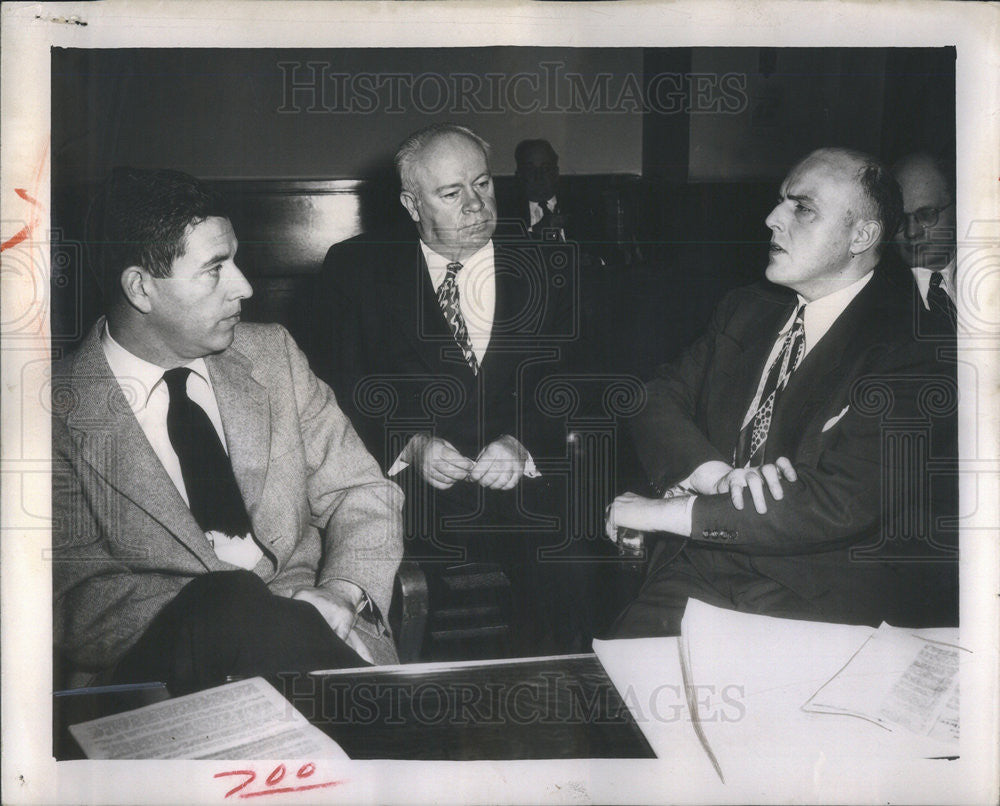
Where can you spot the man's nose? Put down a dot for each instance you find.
(911, 227)
(473, 201)
(774, 218)
(240, 288)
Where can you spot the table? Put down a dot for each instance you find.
(559, 707)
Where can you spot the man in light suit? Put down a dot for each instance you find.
(215, 513)
(434, 345)
(797, 393)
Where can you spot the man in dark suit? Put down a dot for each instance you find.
(434, 346)
(926, 238)
(802, 393)
(546, 213)
(215, 513)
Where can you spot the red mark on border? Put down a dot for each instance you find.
(25, 232)
(271, 782)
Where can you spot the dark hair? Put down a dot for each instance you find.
(525, 145)
(139, 218)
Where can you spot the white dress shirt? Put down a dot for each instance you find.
(477, 292)
(142, 384)
(817, 318)
(535, 210)
(922, 277)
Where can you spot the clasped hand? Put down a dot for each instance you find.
(499, 466)
(716, 478)
(633, 511)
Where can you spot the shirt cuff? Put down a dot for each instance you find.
(529, 468)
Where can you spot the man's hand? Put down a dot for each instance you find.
(632, 511)
(500, 466)
(736, 481)
(338, 604)
(437, 461)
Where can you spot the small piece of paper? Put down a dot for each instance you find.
(901, 681)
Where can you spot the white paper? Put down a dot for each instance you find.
(901, 681)
(244, 720)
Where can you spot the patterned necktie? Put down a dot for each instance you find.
(754, 435)
(938, 300)
(447, 295)
(213, 496)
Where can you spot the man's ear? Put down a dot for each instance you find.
(865, 236)
(409, 201)
(135, 287)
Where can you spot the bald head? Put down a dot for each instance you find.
(926, 235)
(835, 209)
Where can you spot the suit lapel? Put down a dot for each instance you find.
(824, 368)
(111, 442)
(410, 296)
(246, 420)
(755, 347)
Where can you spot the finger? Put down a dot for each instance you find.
(736, 488)
(449, 471)
(494, 476)
(481, 468)
(785, 466)
(770, 474)
(439, 482)
(756, 487)
(453, 457)
(512, 483)
(503, 481)
(353, 640)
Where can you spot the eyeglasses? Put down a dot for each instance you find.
(926, 217)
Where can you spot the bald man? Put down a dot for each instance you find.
(769, 435)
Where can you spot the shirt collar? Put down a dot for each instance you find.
(137, 377)
(437, 265)
(820, 314)
(922, 277)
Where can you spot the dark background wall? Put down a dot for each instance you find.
(679, 149)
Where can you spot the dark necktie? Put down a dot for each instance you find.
(750, 449)
(938, 300)
(447, 295)
(213, 496)
(548, 222)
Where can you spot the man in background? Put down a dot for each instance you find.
(926, 239)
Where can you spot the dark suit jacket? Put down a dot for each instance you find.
(124, 541)
(378, 336)
(854, 416)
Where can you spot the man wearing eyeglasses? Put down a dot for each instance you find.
(926, 236)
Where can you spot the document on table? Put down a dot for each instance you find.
(901, 681)
(245, 720)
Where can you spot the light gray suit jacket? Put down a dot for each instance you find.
(124, 541)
